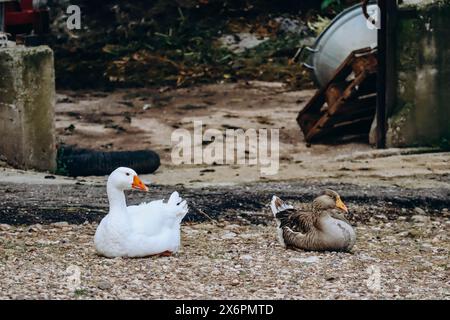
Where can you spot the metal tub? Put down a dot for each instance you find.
(348, 31)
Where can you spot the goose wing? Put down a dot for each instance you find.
(299, 221)
(287, 216)
(150, 218)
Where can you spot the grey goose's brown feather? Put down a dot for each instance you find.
(321, 228)
(295, 220)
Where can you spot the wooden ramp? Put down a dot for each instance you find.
(347, 103)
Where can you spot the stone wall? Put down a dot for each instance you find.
(27, 99)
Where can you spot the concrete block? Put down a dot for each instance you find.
(421, 116)
(27, 100)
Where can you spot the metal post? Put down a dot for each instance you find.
(2, 17)
(386, 74)
(381, 76)
(391, 59)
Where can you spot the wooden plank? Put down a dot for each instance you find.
(341, 96)
(348, 93)
(318, 99)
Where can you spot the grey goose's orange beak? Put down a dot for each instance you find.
(340, 205)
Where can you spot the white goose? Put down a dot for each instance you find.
(142, 230)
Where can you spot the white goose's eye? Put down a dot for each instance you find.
(127, 173)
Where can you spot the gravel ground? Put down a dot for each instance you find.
(400, 258)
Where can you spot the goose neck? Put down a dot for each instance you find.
(116, 198)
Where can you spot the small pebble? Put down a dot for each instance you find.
(229, 235)
(60, 224)
(311, 259)
(104, 285)
(420, 219)
(5, 227)
(419, 211)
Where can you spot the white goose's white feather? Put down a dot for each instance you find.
(140, 230)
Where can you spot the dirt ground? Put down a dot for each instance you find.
(400, 200)
(145, 119)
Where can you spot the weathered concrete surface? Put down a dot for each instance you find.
(422, 112)
(27, 99)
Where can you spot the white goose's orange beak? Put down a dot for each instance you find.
(341, 205)
(138, 184)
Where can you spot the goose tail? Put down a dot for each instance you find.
(277, 205)
(180, 204)
(174, 199)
